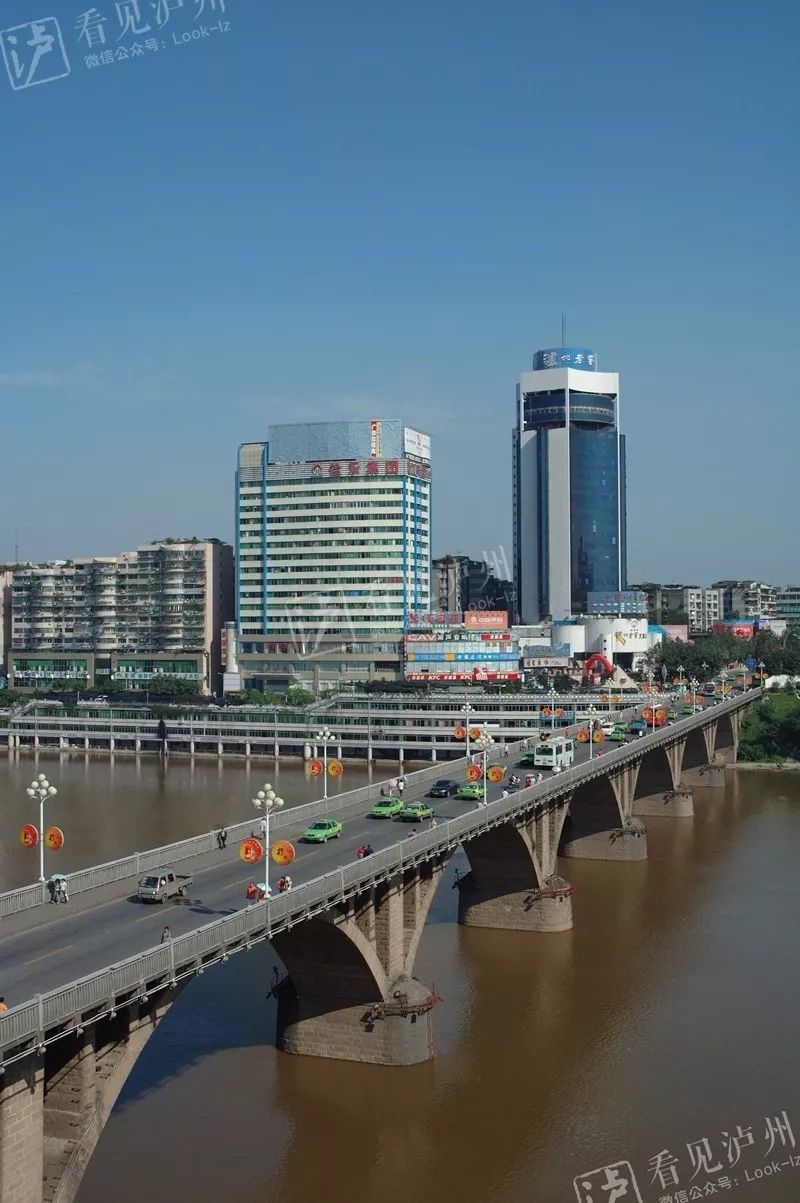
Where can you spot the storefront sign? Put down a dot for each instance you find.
(486, 620)
(375, 439)
(433, 618)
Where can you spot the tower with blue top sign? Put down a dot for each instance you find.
(569, 485)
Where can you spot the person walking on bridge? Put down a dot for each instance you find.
(3, 1006)
(166, 936)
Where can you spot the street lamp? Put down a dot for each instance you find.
(485, 741)
(324, 737)
(552, 695)
(695, 684)
(761, 671)
(592, 711)
(268, 799)
(467, 710)
(723, 676)
(41, 788)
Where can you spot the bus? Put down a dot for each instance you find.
(555, 753)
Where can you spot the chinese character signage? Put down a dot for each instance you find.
(625, 602)
(416, 443)
(375, 439)
(486, 620)
(565, 357)
(424, 619)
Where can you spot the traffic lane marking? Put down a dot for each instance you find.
(53, 952)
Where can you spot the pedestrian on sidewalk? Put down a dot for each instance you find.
(401, 785)
(166, 935)
(222, 838)
(3, 1006)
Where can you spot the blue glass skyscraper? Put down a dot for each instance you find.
(569, 485)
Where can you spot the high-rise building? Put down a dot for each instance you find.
(748, 599)
(156, 611)
(333, 549)
(788, 607)
(568, 485)
(460, 584)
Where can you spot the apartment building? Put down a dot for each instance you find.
(155, 611)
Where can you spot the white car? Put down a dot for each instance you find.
(607, 728)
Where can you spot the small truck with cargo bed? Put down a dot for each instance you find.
(161, 884)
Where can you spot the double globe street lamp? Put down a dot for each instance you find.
(41, 788)
(485, 742)
(324, 737)
(267, 800)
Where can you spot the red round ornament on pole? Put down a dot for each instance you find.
(335, 768)
(474, 772)
(251, 850)
(29, 835)
(282, 852)
(54, 838)
(316, 768)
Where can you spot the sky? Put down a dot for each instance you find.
(359, 210)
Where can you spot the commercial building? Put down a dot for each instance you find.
(445, 648)
(568, 485)
(333, 550)
(460, 583)
(698, 606)
(155, 611)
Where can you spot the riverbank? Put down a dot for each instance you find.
(786, 766)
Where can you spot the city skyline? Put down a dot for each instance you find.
(183, 279)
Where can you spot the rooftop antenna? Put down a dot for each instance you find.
(16, 548)
(563, 329)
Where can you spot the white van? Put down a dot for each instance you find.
(557, 753)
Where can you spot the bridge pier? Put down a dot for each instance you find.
(673, 804)
(512, 883)
(21, 1132)
(350, 992)
(601, 825)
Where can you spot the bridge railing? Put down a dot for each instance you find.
(133, 865)
(157, 967)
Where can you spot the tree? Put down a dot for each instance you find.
(171, 686)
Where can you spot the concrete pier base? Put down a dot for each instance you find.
(541, 910)
(710, 776)
(627, 843)
(391, 1031)
(675, 804)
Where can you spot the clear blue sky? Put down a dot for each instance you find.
(362, 209)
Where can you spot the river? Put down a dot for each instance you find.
(665, 1019)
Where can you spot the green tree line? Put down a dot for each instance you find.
(706, 656)
(771, 731)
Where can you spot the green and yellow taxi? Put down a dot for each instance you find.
(471, 791)
(619, 735)
(415, 812)
(322, 831)
(386, 808)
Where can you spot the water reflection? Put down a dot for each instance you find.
(667, 1015)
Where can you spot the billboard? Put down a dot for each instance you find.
(565, 357)
(628, 601)
(475, 675)
(425, 619)
(676, 631)
(416, 443)
(486, 620)
(375, 439)
(546, 662)
(741, 628)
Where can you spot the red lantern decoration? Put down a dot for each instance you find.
(495, 772)
(251, 850)
(282, 852)
(460, 732)
(583, 735)
(335, 768)
(598, 737)
(474, 772)
(474, 732)
(29, 835)
(54, 838)
(316, 768)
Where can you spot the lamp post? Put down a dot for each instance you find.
(723, 676)
(268, 799)
(552, 695)
(41, 788)
(695, 684)
(761, 671)
(324, 737)
(680, 673)
(591, 712)
(485, 741)
(467, 710)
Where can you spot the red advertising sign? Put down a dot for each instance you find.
(486, 620)
(282, 852)
(477, 676)
(316, 768)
